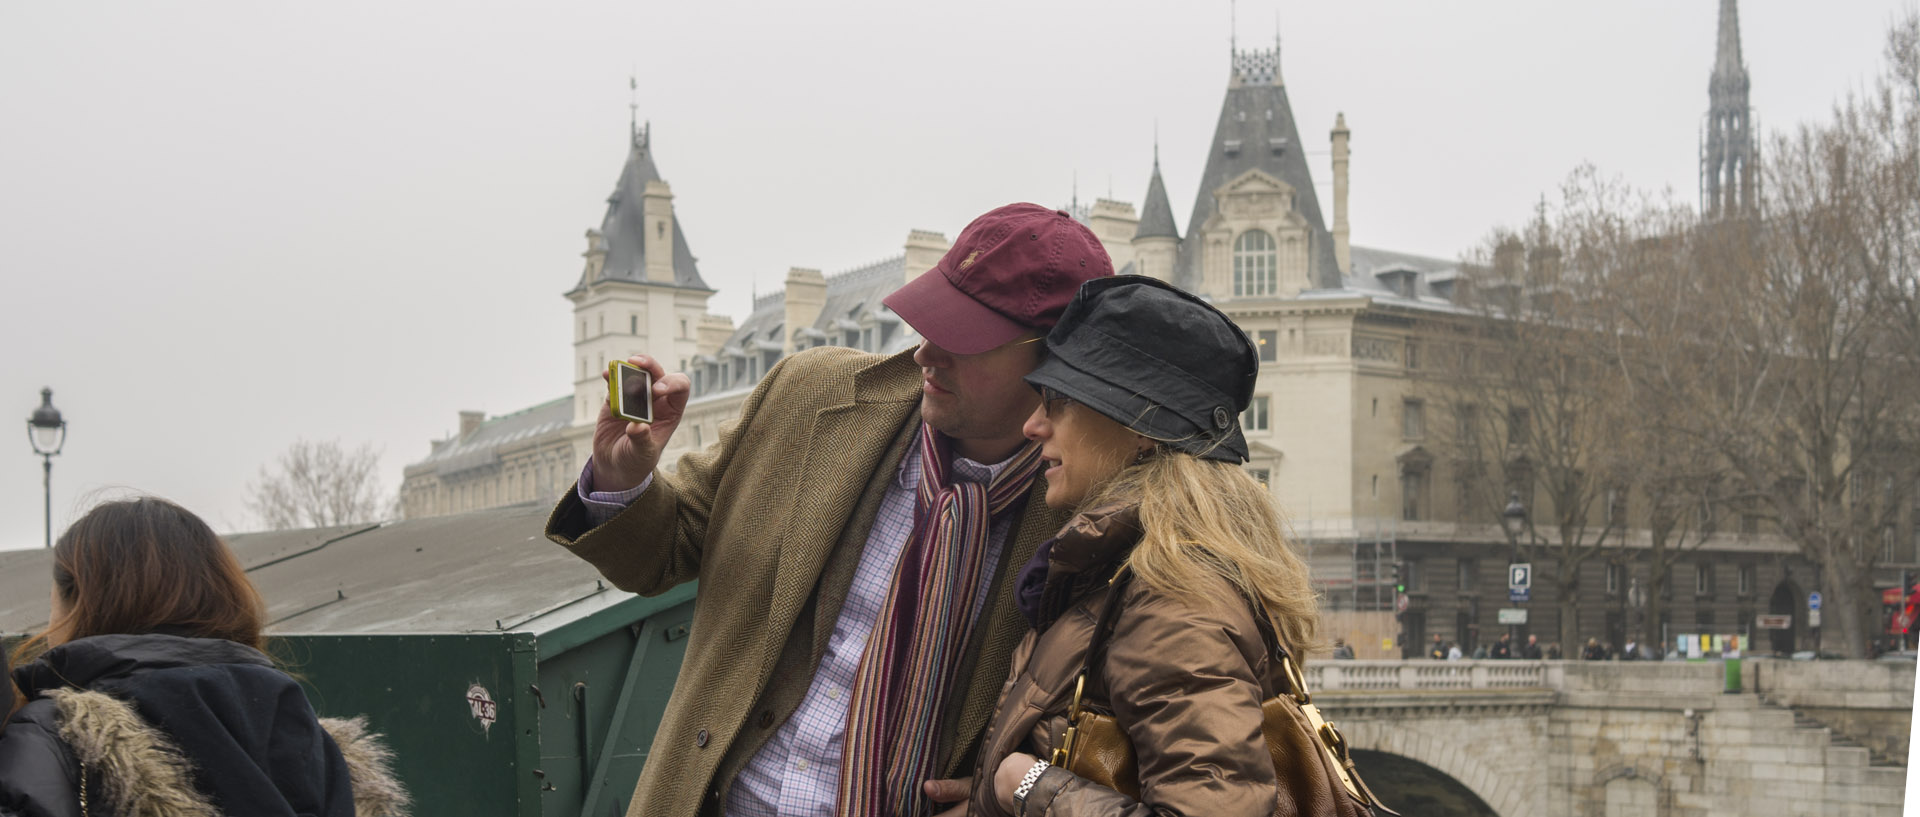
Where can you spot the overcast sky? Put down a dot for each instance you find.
(225, 226)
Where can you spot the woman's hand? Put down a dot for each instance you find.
(1007, 778)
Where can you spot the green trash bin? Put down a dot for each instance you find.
(1733, 676)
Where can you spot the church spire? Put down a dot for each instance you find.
(1726, 60)
(1727, 152)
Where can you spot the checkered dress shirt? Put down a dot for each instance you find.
(797, 772)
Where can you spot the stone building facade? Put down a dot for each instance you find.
(1342, 427)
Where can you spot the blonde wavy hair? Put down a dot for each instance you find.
(1206, 518)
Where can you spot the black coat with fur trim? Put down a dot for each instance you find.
(166, 726)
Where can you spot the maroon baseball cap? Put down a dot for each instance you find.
(1012, 271)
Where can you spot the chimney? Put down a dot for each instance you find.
(470, 421)
(924, 249)
(806, 296)
(1114, 223)
(1342, 248)
(714, 332)
(657, 213)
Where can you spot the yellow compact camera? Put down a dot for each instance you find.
(630, 392)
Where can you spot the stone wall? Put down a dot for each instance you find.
(1699, 750)
(1587, 739)
(1870, 702)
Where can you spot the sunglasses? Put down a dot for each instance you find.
(1049, 399)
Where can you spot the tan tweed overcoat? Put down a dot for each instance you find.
(770, 520)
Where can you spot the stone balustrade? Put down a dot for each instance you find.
(1395, 676)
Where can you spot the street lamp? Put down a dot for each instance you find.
(1513, 520)
(1637, 623)
(48, 434)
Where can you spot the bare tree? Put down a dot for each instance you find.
(1530, 395)
(317, 485)
(1807, 312)
(1649, 326)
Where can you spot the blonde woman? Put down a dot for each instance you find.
(1142, 392)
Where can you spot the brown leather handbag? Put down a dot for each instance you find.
(1316, 774)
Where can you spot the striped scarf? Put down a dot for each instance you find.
(921, 633)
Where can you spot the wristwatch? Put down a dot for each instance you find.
(1026, 785)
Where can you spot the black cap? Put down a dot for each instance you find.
(1157, 360)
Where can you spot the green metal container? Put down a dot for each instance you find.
(522, 722)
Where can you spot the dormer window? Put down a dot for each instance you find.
(1399, 279)
(1232, 147)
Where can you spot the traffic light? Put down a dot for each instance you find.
(1399, 584)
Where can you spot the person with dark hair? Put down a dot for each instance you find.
(149, 688)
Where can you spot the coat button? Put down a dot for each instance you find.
(766, 719)
(700, 740)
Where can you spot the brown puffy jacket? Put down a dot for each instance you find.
(1191, 674)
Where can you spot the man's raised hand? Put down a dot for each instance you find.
(625, 453)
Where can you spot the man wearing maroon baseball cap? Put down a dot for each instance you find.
(848, 534)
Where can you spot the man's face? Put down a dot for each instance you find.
(979, 400)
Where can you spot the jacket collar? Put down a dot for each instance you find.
(84, 661)
(888, 380)
(1079, 559)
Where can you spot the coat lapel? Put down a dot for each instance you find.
(847, 443)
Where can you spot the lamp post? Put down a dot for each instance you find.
(1513, 519)
(1637, 602)
(48, 434)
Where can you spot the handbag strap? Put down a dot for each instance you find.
(1325, 733)
(1096, 652)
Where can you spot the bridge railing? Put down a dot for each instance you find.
(1382, 676)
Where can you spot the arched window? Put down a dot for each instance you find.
(1254, 268)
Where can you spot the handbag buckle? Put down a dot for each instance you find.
(1061, 754)
(1297, 680)
(1335, 746)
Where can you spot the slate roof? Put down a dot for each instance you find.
(1156, 215)
(851, 296)
(1257, 131)
(624, 230)
(1431, 277)
(481, 447)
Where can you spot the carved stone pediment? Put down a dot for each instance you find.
(1256, 195)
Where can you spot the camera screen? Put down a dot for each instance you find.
(636, 399)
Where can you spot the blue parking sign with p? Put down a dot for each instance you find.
(1520, 577)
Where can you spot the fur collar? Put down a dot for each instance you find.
(140, 773)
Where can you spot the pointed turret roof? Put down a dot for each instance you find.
(624, 231)
(1156, 216)
(1728, 86)
(1257, 131)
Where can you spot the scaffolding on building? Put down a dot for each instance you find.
(1350, 562)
